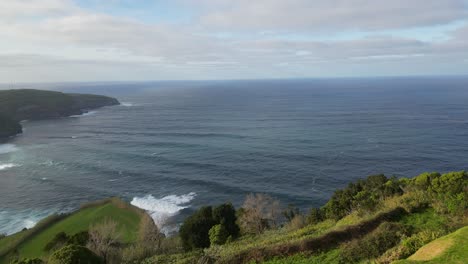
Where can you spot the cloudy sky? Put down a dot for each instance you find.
(112, 40)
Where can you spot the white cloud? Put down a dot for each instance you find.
(68, 42)
(325, 15)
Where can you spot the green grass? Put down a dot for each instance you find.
(427, 219)
(329, 257)
(269, 238)
(128, 220)
(452, 248)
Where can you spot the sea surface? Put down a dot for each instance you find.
(174, 146)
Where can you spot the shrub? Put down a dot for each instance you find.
(416, 241)
(260, 212)
(194, 230)
(297, 222)
(364, 195)
(80, 239)
(225, 214)
(73, 254)
(218, 235)
(57, 242)
(386, 236)
(28, 261)
(104, 240)
(315, 216)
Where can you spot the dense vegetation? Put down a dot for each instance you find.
(26, 104)
(9, 127)
(374, 220)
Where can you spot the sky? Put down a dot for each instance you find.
(140, 40)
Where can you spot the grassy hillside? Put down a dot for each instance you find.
(31, 243)
(452, 248)
(374, 220)
(27, 104)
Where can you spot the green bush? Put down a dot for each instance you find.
(73, 254)
(413, 243)
(194, 232)
(386, 236)
(315, 216)
(218, 235)
(28, 261)
(57, 242)
(364, 195)
(225, 214)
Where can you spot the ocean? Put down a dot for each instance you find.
(174, 146)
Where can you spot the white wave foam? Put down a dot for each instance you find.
(85, 114)
(7, 148)
(126, 104)
(164, 208)
(7, 166)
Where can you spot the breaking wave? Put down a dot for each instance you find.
(85, 114)
(7, 166)
(7, 148)
(164, 208)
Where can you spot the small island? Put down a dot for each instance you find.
(29, 104)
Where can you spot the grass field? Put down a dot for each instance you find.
(127, 217)
(452, 248)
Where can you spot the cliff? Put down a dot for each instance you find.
(27, 104)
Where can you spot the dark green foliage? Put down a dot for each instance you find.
(9, 127)
(316, 215)
(194, 232)
(73, 254)
(447, 193)
(363, 195)
(218, 235)
(80, 239)
(28, 261)
(57, 242)
(373, 245)
(61, 239)
(225, 214)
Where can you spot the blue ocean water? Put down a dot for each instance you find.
(174, 146)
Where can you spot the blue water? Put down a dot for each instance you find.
(194, 143)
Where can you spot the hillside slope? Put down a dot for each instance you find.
(452, 248)
(30, 243)
(27, 104)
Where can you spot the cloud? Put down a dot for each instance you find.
(62, 41)
(326, 15)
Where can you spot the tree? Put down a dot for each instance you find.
(149, 233)
(260, 212)
(225, 214)
(149, 242)
(194, 230)
(104, 239)
(218, 235)
(74, 254)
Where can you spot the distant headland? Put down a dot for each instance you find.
(28, 104)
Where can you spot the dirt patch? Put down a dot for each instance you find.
(432, 250)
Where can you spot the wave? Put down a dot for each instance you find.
(85, 114)
(161, 210)
(7, 166)
(14, 221)
(126, 104)
(7, 148)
